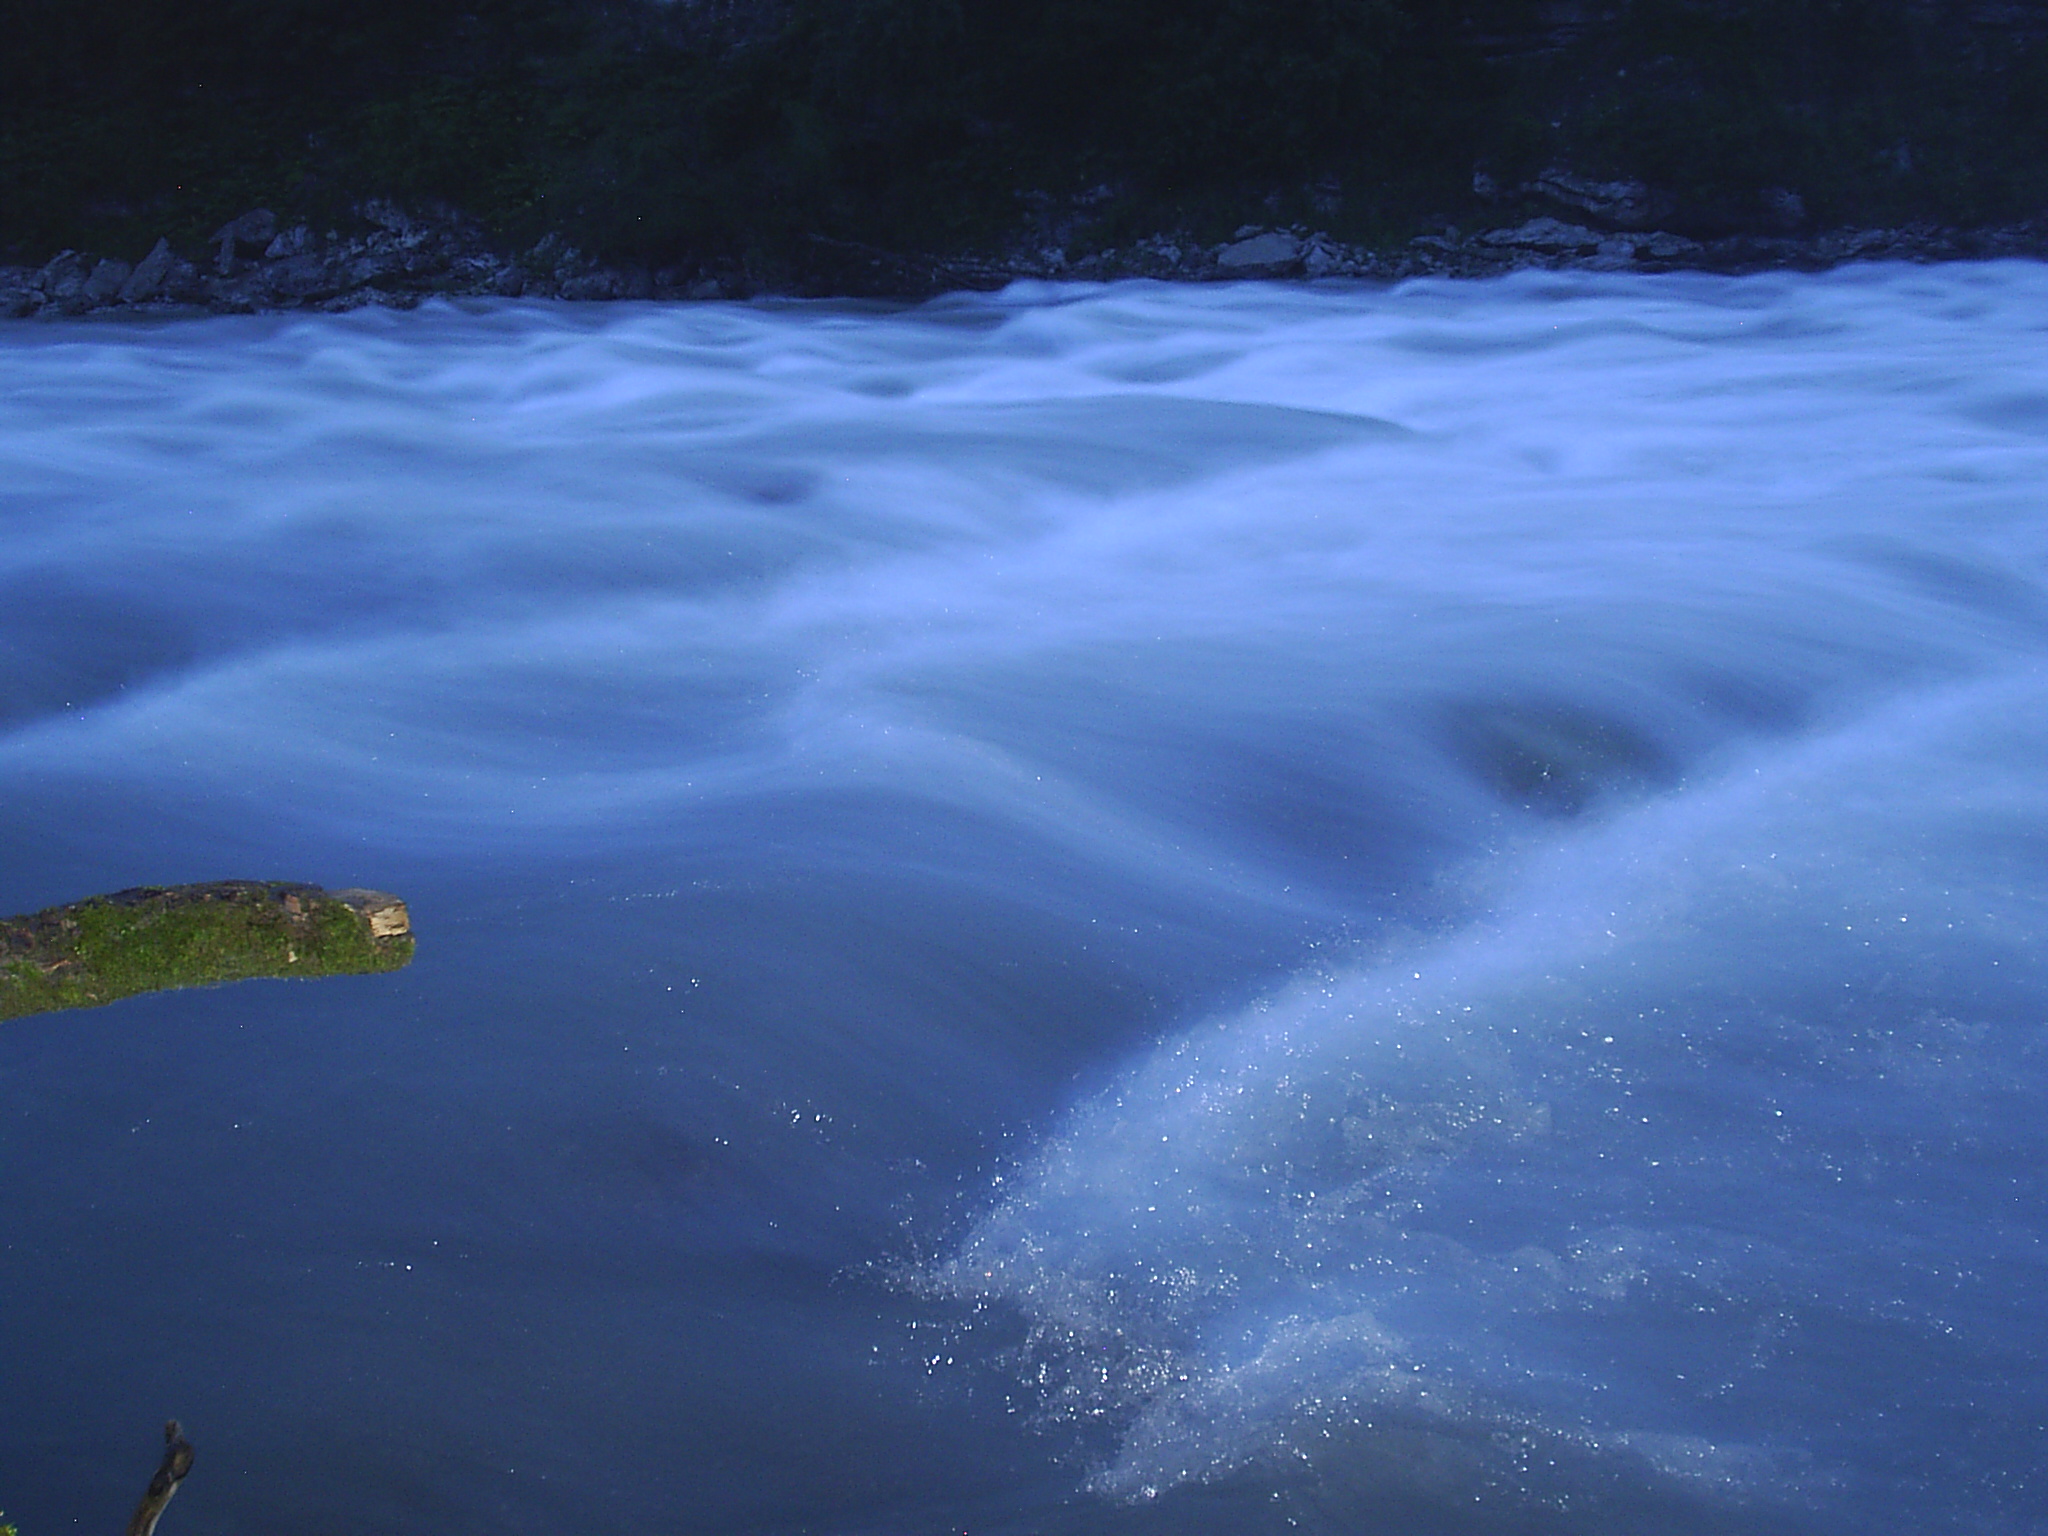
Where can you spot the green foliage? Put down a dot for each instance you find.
(646, 130)
(101, 950)
(1875, 111)
(701, 133)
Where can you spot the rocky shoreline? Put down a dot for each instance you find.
(256, 265)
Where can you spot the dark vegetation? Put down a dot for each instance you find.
(746, 130)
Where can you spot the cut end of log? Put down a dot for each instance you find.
(384, 912)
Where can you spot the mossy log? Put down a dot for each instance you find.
(154, 938)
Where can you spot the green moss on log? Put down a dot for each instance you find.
(155, 938)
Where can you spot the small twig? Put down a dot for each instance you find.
(177, 1462)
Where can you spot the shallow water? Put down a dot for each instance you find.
(1089, 911)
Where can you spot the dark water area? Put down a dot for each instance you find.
(1107, 910)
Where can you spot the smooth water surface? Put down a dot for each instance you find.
(1088, 911)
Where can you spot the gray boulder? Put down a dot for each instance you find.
(1273, 254)
(1551, 236)
(593, 285)
(63, 276)
(105, 281)
(1322, 258)
(147, 280)
(298, 278)
(296, 241)
(184, 283)
(1627, 204)
(1660, 246)
(19, 294)
(386, 215)
(244, 237)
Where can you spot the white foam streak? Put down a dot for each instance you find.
(1229, 1247)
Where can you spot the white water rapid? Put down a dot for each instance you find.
(1096, 910)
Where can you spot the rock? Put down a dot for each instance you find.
(474, 272)
(296, 241)
(63, 276)
(1321, 259)
(299, 278)
(1751, 253)
(184, 283)
(19, 294)
(386, 215)
(1667, 247)
(592, 285)
(1269, 255)
(1784, 208)
(147, 280)
(1546, 234)
(243, 237)
(360, 264)
(1629, 204)
(106, 281)
(509, 283)
(707, 288)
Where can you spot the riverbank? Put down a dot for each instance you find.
(255, 266)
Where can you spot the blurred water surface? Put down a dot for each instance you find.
(1086, 911)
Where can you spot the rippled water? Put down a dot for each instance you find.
(1090, 911)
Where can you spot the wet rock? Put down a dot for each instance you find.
(1551, 236)
(147, 280)
(1626, 204)
(597, 285)
(242, 238)
(386, 215)
(1272, 254)
(296, 241)
(1661, 246)
(62, 278)
(19, 294)
(1755, 253)
(104, 283)
(184, 283)
(300, 277)
(1612, 256)
(1321, 258)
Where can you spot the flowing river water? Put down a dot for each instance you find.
(1094, 910)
